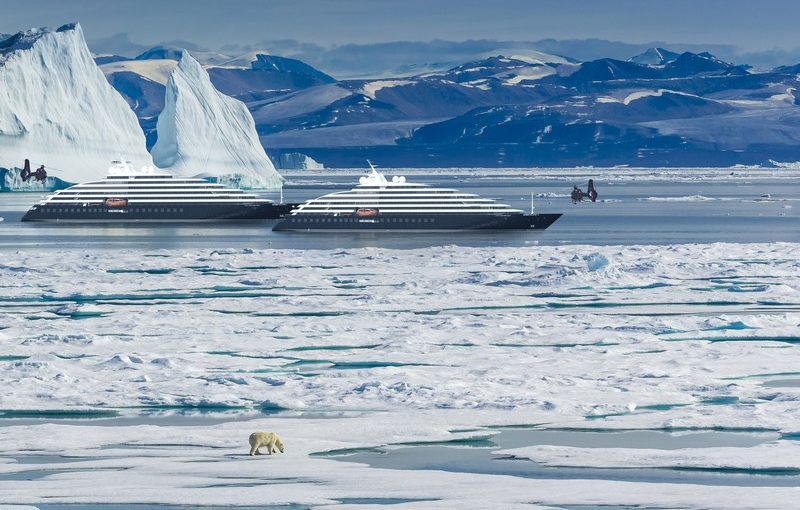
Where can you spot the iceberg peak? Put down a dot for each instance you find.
(58, 109)
(202, 132)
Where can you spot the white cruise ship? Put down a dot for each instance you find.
(130, 195)
(381, 204)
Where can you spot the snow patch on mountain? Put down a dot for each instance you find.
(370, 89)
(652, 93)
(154, 70)
(528, 56)
(482, 84)
(527, 74)
(654, 57)
(57, 109)
(788, 96)
(202, 132)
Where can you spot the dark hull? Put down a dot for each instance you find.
(166, 212)
(326, 222)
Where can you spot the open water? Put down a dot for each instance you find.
(628, 212)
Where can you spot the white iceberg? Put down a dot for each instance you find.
(202, 132)
(57, 109)
(298, 161)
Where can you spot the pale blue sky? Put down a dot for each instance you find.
(748, 24)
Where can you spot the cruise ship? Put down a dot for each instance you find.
(127, 195)
(381, 204)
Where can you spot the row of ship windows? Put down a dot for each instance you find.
(383, 192)
(401, 201)
(354, 219)
(149, 192)
(171, 185)
(400, 205)
(102, 210)
(139, 177)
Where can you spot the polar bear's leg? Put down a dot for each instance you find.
(271, 447)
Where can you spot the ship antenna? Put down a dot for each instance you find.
(370, 165)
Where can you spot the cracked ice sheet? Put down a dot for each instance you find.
(207, 466)
(574, 330)
(442, 339)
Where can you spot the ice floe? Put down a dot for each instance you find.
(374, 347)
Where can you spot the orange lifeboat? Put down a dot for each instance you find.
(116, 202)
(366, 212)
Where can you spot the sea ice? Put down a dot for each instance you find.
(370, 347)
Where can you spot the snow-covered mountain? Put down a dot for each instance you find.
(654, 57)
(57, 109)
(204, 132)
(512, 108)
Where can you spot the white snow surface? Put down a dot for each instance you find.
(398, 346)
(57, 109)
(202, 132)
(772, 455)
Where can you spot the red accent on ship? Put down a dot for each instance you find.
(366, 212)
(116, 202)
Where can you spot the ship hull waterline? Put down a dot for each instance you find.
(156, 212)
(414, 222)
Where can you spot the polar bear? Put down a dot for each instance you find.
(268, 439)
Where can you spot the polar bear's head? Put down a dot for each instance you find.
(279, 444)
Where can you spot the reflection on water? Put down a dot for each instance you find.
(729, 212)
